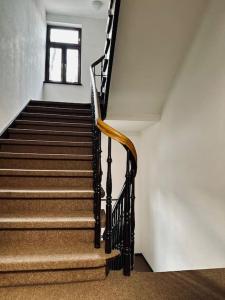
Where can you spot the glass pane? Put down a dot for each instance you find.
(64, 36)
(72, 66)
(55, 64)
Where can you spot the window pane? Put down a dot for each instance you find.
(72, 66)
(55, 64)
(64, 36)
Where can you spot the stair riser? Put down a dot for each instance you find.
(11, 279)
(57, 119)
(59, 128)
(47, 137)
(64, 111)
(37, 182)
(45, 149)
(45, 205)
(44, 164)
(58, 237)
(61, 104)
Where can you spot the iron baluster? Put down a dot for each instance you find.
(108, 241)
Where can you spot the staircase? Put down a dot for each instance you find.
(47, 221)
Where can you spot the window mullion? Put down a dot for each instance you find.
(64, 65)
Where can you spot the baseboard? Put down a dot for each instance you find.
(140, 254)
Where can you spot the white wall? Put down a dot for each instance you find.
(93, 41)
(22, 55)
(183, 160)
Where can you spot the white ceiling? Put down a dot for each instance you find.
(76, 8)
(154, 37)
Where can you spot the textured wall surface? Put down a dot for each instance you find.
(22, 55)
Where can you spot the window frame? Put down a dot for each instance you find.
(64, 47)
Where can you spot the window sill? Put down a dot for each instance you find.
(63, 83)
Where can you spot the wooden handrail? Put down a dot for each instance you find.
(117, 136)
(103, 126)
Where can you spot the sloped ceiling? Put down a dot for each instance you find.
(82, 8)
(153, 39)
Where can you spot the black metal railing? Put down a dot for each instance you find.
(119, 231)
(108, 57)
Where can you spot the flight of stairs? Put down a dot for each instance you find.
(46, 197)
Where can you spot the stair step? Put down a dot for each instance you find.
(30, 262)
(43, 125)
(54, 206)
(31, 278)
(49, 135)
(46, 194)
(55, 117)
(13, 178)
(9, 237)
(60, 104)
(10, 160)
(33, 255)
(53, 147)
(50, 201)
(36, 278)
(48, 220)
(58, 110)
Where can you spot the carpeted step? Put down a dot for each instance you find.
(10, 160)
(33, 255)
(54, 206)
(49, 135)
(33, 179)
(60, 104)
(35, 278)
(34, 263)
(49, 147)
(55, 118)
(43, 125)
(58, 110)
(49, 220)
(47, 194)
(9, 237)
(50, 201)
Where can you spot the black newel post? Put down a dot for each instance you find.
(127, 224)
(132, 221)
(97, 189)
(96, 177)
(108, 233)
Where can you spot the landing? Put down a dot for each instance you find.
(141, 286)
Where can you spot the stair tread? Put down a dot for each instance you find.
(60, 103)
(77, 219)
(48, 123)
(48, 132)
(47, 143)
(24, 256)
(61, 116)
(46, 156)
(43, 219)
(46, 193)
(46, 173)
(60, 109)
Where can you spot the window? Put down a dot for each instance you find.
(63, 55)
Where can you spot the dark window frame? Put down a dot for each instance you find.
(64, 47)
